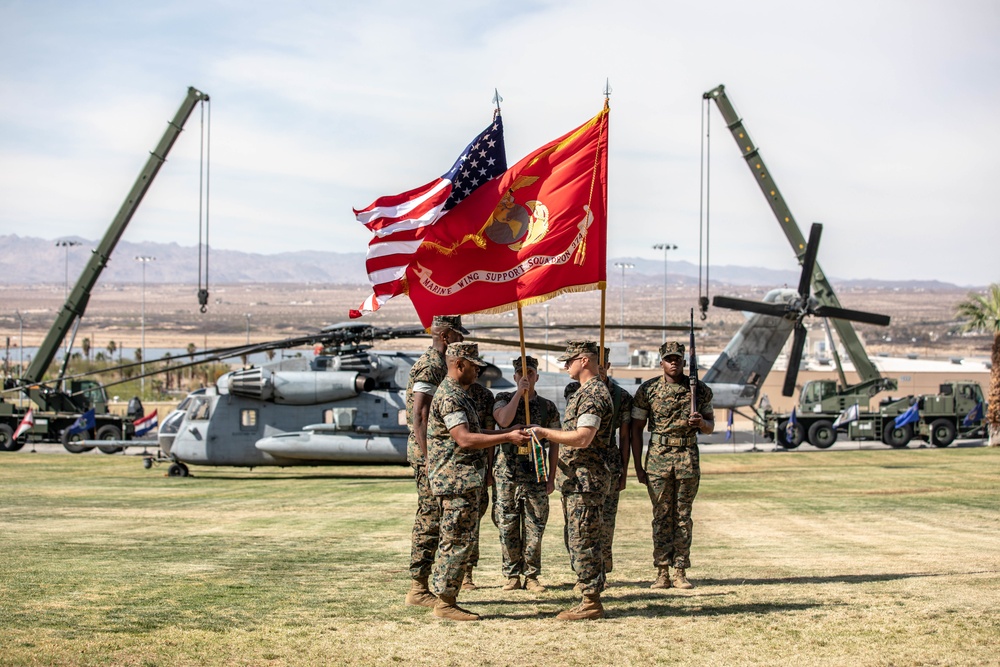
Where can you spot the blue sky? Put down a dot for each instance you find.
(876, 118)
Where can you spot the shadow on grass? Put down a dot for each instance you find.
(346, 474)
(831, 579)
(654, 606)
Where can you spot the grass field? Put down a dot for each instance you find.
(827, 558)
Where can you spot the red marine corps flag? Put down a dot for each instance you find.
(535, 232)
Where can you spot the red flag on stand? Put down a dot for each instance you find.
(536, 232)
(26, 425)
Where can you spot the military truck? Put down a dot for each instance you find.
(941, 417)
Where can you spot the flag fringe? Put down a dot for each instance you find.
(530, 301)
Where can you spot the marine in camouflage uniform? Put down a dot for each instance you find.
(583, 477)
(425, 376)
(520, 501)
(456, 471)
(672, 471)
(482, 398)
(616, 458)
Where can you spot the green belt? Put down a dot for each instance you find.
(658, 439)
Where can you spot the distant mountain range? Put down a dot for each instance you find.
(26, 260)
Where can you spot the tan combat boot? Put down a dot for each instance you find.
(589, 609)
(513, 584)
(680, 579)
(419, 595)
(663, 579)
(447, 609)
(467, 583)
(578, 588)
(533, 585)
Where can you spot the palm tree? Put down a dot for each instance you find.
(85, 346)
(981, 312)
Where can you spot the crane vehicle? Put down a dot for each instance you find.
(60, 405)
(823, 401)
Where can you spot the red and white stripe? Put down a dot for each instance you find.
(26, 424)
(399, 223)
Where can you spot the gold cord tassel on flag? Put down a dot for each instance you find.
(539, 458)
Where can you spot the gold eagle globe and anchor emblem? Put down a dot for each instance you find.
(515, 225)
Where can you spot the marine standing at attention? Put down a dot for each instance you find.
(672, 472)
(520, 501)
(583, 475)
(456, 472)
(482, 398)
(425, 376)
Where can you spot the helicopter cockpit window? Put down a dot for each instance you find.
(248, 419)
(199, 409)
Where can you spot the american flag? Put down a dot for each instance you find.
(400, 222)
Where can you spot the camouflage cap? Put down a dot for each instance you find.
(575, 348)
(671, 349)
(468, 351)
(528, 359)
(450, 322)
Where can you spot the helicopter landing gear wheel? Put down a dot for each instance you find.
(177, 470)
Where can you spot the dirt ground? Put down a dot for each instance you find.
(922, 321)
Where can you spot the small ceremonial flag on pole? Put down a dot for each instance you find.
(790, 427)
(847, 416)
(975, 415)
(146, 424)
(84, 422)
(26, 424)
(911, 416)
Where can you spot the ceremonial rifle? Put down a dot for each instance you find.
(693, 373)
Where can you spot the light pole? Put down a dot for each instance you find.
(623, 266)
(20, 343)
(247, 315)
(143, 259)
(66, 244)
(664, 247)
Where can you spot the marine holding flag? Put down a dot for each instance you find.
(537, 231)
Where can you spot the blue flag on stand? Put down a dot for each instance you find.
(729, 426)
(790, 428)
(911, 416)
(975, 415)
(84, 422)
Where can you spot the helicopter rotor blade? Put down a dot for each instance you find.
(759, 307)
(809, 260)
(852, 315)
(794, 359)
(504, 342)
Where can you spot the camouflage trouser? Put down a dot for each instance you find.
(582, 514)
(672, 500)
(609, 513)
(426, 526)
(484, 506)
(521, 510)
(459, 520)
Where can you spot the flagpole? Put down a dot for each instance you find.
(524, 365)
(604, 293)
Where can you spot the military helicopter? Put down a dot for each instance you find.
(347, 404)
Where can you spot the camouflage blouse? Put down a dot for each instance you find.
(452, 470)
(583, 470)
(427, 373)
